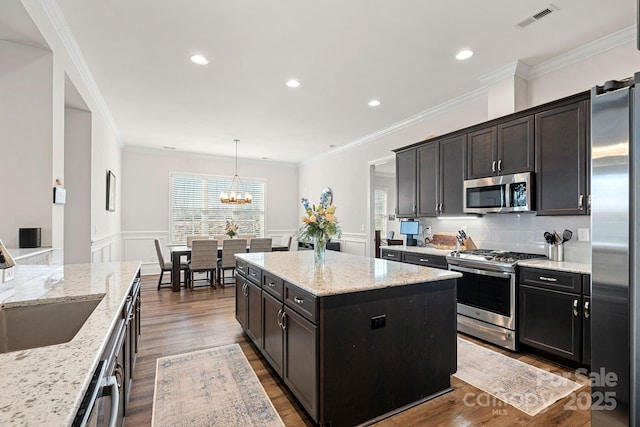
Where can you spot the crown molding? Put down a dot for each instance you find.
(438, 109)
(56, 17)
(515, 68)
(595, 47)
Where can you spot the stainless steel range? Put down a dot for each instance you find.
(487, 293)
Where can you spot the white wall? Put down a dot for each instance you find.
(389, 183)
(347, 172)
(145, 197)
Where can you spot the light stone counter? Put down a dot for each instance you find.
(429, 250)
(44, 386)
(342, 273)
(572, 267)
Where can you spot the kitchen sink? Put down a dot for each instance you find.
(40, 325)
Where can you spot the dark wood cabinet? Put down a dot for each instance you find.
(554, 314)
(390, 255)
(406, 183)
(562, 162)
(273, 334)
(440, 177)
(254, 312)
(505, 148)
(301, 359)
(242, 308)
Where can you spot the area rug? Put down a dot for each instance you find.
(523, 386)
(212, 387)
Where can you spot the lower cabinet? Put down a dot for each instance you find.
(554, 314)
(249, 308)
(417, 258)
(273, 333)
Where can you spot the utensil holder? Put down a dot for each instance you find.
(555, 252)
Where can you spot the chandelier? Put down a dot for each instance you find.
(236, 194)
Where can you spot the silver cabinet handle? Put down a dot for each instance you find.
(581, 202)
(575, 308)
(424, 260)
(280, 312)
(586, 310)
(493, 166)
(391, 255)
(254, 274)
(437, 208)
(283, 325)
(547, 279)
(500, 165)
(271, 285)
(246, 289)
(441, 207)
(298, 300)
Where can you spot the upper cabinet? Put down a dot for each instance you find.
(506, 148)
(562, 138)
(406, 179)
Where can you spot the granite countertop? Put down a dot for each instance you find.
(20, 253)
(45, 385)
(342, 273)
(572, 267)
(430, 250)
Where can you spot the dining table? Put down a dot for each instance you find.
(178, 251)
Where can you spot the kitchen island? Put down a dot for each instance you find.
(356, 339)
(45, 385)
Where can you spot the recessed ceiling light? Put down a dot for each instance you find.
(265, 158)
(374, 103)
(293, 83)
(199, 59)
(332, 146)
(464, 54)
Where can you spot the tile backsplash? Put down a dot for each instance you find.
(519, 232)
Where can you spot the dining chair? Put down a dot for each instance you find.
(220, 238)
(260, 245)
(190, 239)
(168, 266)
(230, 247)
(289, 242)
(204, 258)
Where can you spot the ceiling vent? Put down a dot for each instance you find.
(536, 16)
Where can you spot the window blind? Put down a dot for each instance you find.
(196, 209)
(381, 210)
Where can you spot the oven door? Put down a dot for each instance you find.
(486, 295)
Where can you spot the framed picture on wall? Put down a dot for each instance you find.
(111, 191)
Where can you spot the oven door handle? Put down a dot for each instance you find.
(480, 272)
(112, 383)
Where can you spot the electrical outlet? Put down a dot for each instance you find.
(583, 234)
(427, 229)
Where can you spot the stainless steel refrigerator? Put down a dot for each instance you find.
(615, 228)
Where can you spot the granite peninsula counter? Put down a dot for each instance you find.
(45, 385)
(356, 339)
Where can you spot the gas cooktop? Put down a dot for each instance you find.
(490, 259)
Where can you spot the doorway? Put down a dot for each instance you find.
(382, 200)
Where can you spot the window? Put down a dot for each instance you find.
(196, 209)
(381, 210)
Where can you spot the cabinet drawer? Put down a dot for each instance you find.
(436, 261)
(391, 255)
(273, 284)
(550, 279)
(241, 267)
(301, 301)
(254, 274)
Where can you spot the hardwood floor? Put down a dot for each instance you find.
(174, 323)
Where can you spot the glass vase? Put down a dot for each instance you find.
(319, 249)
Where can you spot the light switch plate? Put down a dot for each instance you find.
(427, 229)
(583, 234)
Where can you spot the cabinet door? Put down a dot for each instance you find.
(515, 152)
(481, 153)
(586, 330)
(452, 174)
(254, 312)
(301, 360)
(406, 183)
(561, 160)
(273, 334)
(551, 321)
(428, 179)
(241, 301)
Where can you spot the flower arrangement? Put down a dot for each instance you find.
(231, 229)
(320, 224)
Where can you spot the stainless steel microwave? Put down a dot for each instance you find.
(505, 193)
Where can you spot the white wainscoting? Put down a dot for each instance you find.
(106, 249)
(353, 243)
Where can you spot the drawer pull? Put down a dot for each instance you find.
(575, 308)
(391, 255)
(254, 274)
(298, 300)
(271, 285)
(283, 325)
(548, 279)
(424, 260)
